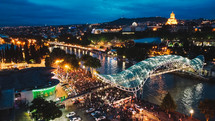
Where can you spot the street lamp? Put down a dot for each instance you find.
(191, 112)
(58, 61)
(133, 115)
(66, 66)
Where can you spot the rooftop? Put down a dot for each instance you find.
(27, 79)
(153, 40)
(6, 99)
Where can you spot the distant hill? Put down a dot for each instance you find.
(129, 21)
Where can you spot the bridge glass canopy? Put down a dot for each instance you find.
(136, 75)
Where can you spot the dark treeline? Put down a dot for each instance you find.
(71, 60)
(70, 39)
(88, 38)
(18, 54)
(58, 54)
(133, 53)
(187, 50)
(204, 34)
(208, 52)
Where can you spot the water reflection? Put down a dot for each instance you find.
(186, 92)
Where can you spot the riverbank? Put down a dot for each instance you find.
(187, 92)
(190, 76)
(161, 114)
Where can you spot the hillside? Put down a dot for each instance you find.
(129, 21)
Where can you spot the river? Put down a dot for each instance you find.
(186, 92)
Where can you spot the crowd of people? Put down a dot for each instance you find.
(81, 81)
(104, 100)
(78, 81)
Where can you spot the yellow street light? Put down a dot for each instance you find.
(18, 42)
(141, 110)
(13, 41)
(191, 112)
(58, 61)
(66, 66)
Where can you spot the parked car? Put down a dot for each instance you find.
(65, 84)
(100, 118)
(90, 110)
(61, 83)
(95, 113)
(137, 106)
(130, 109)
(70, 114)
(76, 119)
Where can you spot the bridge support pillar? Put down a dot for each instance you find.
(139, 94)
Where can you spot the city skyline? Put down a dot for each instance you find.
(31, 12)
(106, 60)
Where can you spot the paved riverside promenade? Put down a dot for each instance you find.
(156, 111)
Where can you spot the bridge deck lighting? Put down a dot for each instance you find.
(133, 78)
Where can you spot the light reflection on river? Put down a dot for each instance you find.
(186, 92)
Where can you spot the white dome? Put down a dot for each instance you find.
(134, 24)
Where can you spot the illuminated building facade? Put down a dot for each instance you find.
(134, 27)
(30, 83)
(172, 20)
(43, 92)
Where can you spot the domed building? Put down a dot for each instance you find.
(134, 24)
(172, 20)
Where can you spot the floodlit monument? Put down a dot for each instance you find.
(172, 20)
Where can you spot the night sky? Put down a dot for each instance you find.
(58, 12)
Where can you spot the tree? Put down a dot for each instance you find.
(26, 51)
(84, 57)
(71, 60)
(136, 53)
(57, 53)
(16, 55)
(43, 51)
(85, 41)
(168, 103)
(33, 52)
(91, 62)
(48, 62)
(12, 52)
(207, 107)
(95, 62)
(44, 110)
(120, 51)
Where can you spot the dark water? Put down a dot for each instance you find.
(187, 93)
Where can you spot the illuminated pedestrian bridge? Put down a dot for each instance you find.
(133, 78)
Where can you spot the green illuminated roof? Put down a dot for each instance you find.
(43, 92)
(28, 79)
